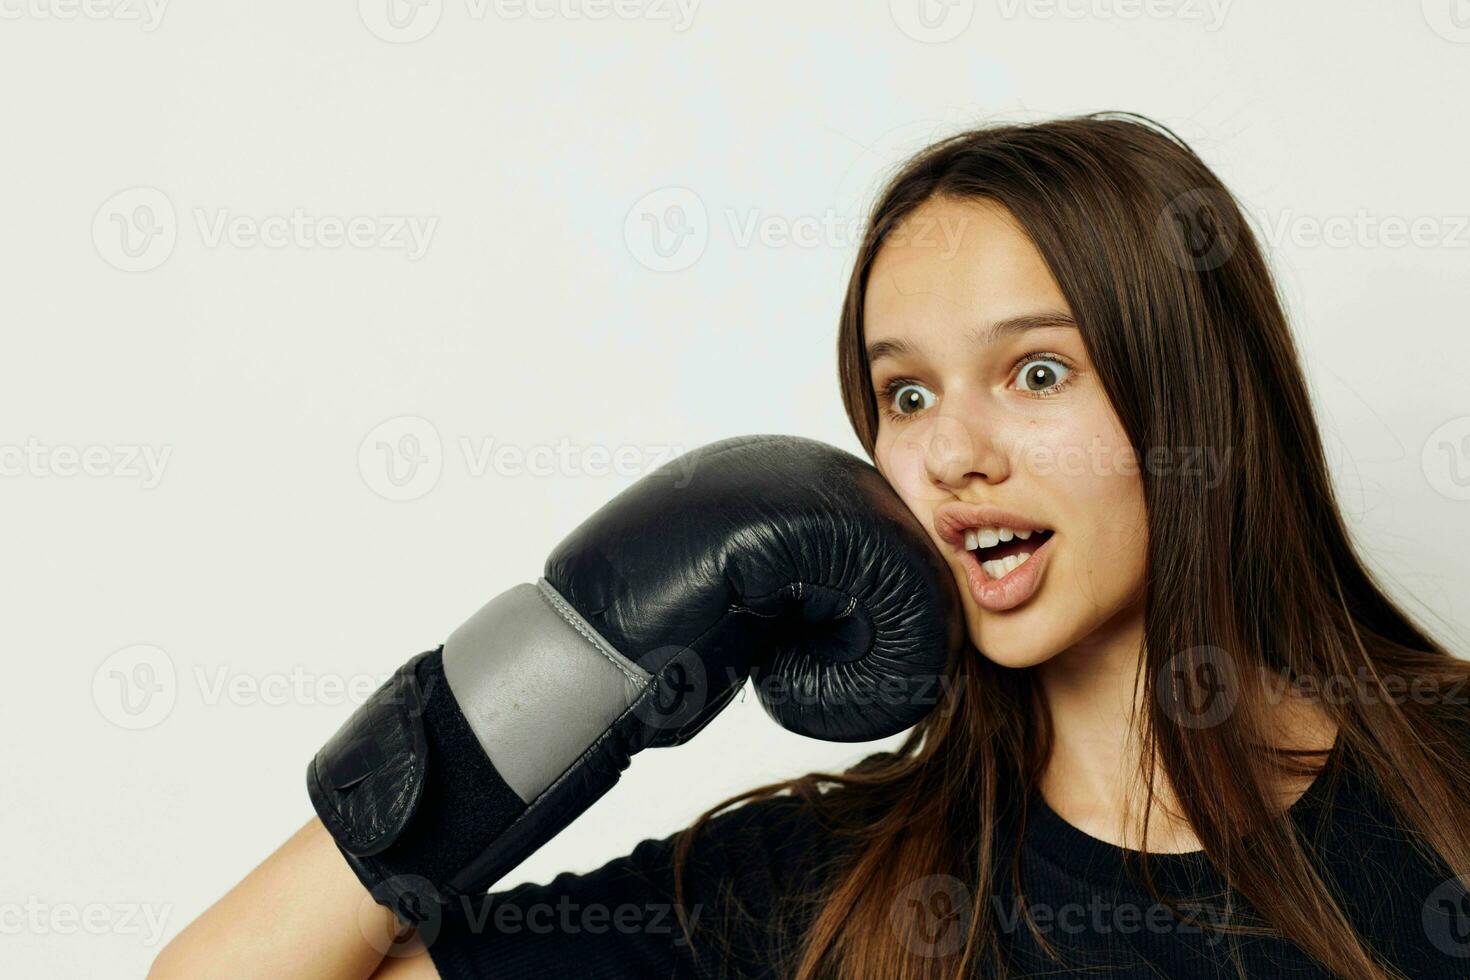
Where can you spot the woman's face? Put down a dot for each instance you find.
(991, 417)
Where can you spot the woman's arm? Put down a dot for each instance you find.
(301, 913)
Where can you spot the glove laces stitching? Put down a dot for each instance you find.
(575, 621)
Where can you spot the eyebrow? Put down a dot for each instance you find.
(979, 336)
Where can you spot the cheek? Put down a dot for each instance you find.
(906, 454)
(1101, 492)
(903, 469)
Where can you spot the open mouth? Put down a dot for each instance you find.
(1001, 550)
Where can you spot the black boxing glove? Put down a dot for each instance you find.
(776, 556)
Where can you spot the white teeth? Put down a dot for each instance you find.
(989, 537)
(998, 568)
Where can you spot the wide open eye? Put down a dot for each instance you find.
(1039, 374)
(908, 397)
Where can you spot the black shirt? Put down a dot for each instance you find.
(618, 920)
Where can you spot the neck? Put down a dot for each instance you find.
(1093, 776)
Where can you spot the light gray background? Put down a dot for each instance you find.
(178, 642)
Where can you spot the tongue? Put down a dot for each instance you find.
(1014, 546)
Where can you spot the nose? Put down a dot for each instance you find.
(960, 452)
(935, 457)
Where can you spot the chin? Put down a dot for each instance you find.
(1013, 639)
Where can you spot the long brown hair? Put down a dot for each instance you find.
(1254, 577)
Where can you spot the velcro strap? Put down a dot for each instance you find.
(367, 779)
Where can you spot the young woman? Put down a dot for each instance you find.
(1192, 736)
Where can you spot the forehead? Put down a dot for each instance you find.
(956, 260)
